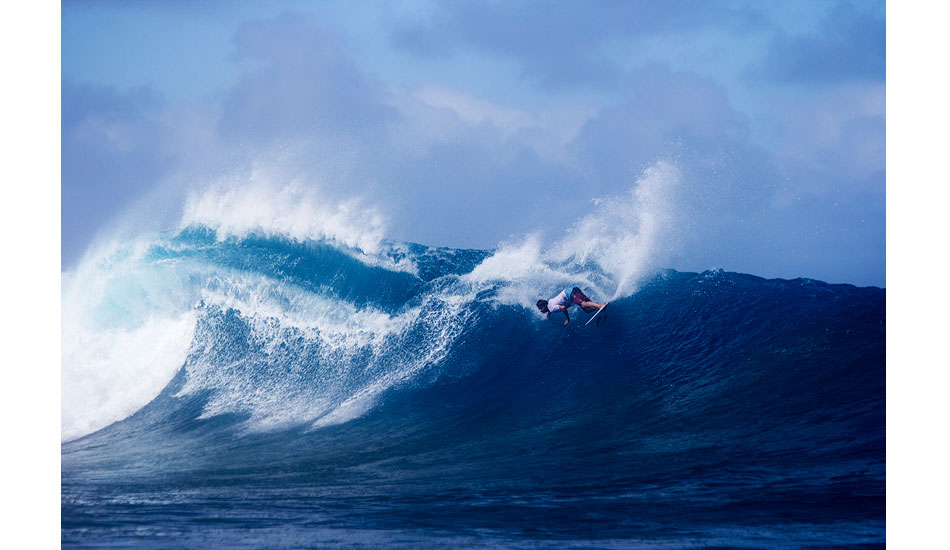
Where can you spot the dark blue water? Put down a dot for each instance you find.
(714, 410)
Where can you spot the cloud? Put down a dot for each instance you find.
(832, 141)
(848, 45)
(300, 80)
(660, 110)
(560, 43)
(111, 150)
(474, 111)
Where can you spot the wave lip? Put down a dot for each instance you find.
(290, 211)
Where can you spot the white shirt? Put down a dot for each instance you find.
(561, 299)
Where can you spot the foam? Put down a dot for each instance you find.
(517, 269)
(110, 374)
(342, 358)
(607, 251)
(125, 333)
(440, 329)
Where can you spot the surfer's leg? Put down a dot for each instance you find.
(581, 299)
(590, 307)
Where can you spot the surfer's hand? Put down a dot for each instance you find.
(566, 322)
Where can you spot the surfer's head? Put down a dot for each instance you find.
(543, 306)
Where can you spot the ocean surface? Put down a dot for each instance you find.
(260, 390)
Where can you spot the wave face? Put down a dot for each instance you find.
(256, 390)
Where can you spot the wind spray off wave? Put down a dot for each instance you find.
(610, 250)
(291, 211)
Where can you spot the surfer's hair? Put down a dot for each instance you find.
(543, 306)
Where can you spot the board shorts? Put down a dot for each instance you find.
(578, 297)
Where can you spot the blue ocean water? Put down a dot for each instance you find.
(266, 392)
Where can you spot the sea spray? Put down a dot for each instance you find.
(293, 210)
(609, 250)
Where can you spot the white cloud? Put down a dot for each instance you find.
(475, 111)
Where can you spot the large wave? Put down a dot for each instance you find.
(247, 370)
(290, 310)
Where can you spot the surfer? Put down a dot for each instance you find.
(566, 299)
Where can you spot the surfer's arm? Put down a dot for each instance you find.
(564, 311)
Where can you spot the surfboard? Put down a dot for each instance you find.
(596, 314)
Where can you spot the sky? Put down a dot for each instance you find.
(468, 124)
(163, 70)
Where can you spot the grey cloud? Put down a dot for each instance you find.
(300, 80)
(561, 43)
(661, 109)
(111, 149)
